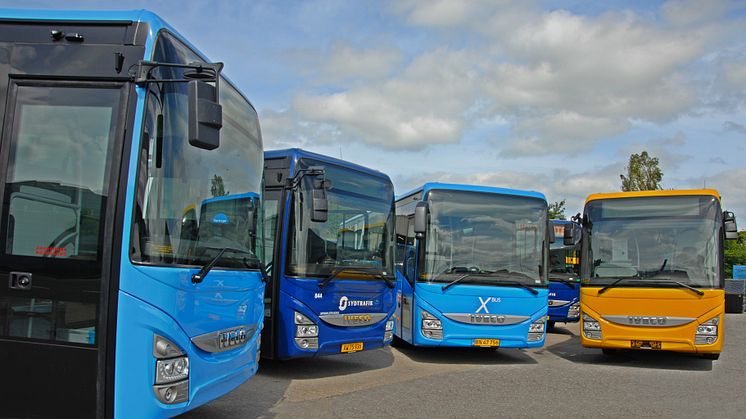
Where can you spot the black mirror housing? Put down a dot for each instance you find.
(420, 219)
(729, 226)
(568, 238)
(319, 205)
(205, 115)
(552, 235)
(251, 221)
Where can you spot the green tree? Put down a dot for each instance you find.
(217, 188)
(557, 210)
(735, 253)
(643, 173)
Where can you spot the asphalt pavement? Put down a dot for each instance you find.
(562, 379)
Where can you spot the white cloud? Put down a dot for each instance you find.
(345, 62)
(441, 13)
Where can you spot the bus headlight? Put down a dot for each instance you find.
(388, 334)
(573, 311)
(591, 327)
(431, 328)
(536, 330)
(171, 372)
(707, 332)
(306, 332)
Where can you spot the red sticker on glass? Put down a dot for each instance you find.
(51, 251)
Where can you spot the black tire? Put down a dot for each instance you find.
(550, 324)
(713, 357)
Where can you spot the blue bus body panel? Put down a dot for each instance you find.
(300, 294)
(480, 299)
(560, 291)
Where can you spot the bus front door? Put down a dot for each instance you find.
(60, 153)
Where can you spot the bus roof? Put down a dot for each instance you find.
(295, 154)
(472, 188)
(641, 194)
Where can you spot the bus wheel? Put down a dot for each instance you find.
(713, 357)
(550, 324)
(609, 351)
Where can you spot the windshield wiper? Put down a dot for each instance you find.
(370, 271)
(679, 283)
(457, 280)
(202, 273)
(606, 287)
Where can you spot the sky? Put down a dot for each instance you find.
(551, 96)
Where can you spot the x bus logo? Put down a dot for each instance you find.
(483, 305)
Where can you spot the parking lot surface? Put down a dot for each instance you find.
(562, 379)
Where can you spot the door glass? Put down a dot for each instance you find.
(56, 188)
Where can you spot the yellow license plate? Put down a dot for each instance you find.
(352, 347)
(645, 344)
(486, 342)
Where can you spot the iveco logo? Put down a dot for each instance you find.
(486, 318)
(357, 318)
(646, 320)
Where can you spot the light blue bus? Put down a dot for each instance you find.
(130, 273)
(473, 263)
(329, 236)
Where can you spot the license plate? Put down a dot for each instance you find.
(352, 347)
(486, 342)
(645, 344)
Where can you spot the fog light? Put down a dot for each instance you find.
(591, 327)
(307, 343)
(536, 330)
(431, 327)
(707, 332)
(389, 325)
(388, 335)
(172, 393)
(573, 311)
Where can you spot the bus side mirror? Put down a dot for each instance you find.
(568, 238)
(729, 225)
(319, 202)
(552, 235)
(205, 115)
(420, 220)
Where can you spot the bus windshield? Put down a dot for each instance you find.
(492, 238)
(650, 240)
(358, 232)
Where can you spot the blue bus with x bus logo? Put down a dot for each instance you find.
(473, 263)
(329, 240)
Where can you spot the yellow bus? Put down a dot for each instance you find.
(652, 271)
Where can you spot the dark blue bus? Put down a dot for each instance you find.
(329, 240)
(564, 275)
(130, 264)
